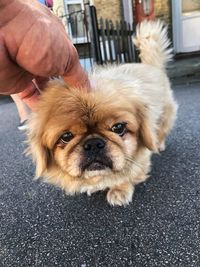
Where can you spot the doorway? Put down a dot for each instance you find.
(186, 25)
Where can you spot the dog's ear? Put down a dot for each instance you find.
(37, 150)
(147, 131)
(41, 156)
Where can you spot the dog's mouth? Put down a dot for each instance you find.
(97, 165)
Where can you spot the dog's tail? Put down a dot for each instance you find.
(152, 41)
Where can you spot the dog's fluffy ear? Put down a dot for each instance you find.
(147, 131)
(41, 157)
(37, 150)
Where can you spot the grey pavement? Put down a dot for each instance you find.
(42, 227)
(183, 67)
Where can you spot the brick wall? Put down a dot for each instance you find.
(58, 7)
(59, 10)
(112, 9)
(163, 10)
(108, 9)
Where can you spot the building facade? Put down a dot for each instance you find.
(182, 17)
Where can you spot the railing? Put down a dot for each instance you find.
(101, 41)
(116, 41)
(112, 42)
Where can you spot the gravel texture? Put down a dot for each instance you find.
(42, 227)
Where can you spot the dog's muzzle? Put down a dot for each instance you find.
(95, 157)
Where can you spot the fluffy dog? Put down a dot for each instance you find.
(104, 139)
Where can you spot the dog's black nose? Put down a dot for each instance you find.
(94, 144)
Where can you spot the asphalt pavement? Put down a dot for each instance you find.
(42, 227)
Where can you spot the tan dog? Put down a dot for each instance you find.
(85, 142)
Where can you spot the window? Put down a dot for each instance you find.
(76, 20)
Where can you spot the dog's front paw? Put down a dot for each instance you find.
(162, 146)
(89, 190)
(120, 195)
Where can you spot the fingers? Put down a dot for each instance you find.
(40, 82)
(12, 77)
(30, 96)
(38, 47)
(77, 77)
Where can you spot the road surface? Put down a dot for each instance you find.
(42, 227)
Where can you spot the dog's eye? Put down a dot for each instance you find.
(119, 128)
(66, 137)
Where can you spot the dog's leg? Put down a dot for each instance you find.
(166, 123)
(91, 186)
(120, 194)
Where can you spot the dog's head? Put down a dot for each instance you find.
(87, 134)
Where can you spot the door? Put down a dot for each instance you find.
(186, 25)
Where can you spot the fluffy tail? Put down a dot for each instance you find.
(152, 41)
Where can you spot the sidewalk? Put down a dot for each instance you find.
(41, 226)
(180, 70)
(184, 68)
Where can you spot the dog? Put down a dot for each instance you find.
(103, 139)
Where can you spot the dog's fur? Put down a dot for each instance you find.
(137, 95)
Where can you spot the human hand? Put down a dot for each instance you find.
(34, 45)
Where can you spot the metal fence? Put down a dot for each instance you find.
(101, 41)
(76, 23)
(116, 41)
(112, 42)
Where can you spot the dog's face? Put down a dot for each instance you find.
(87, 134)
